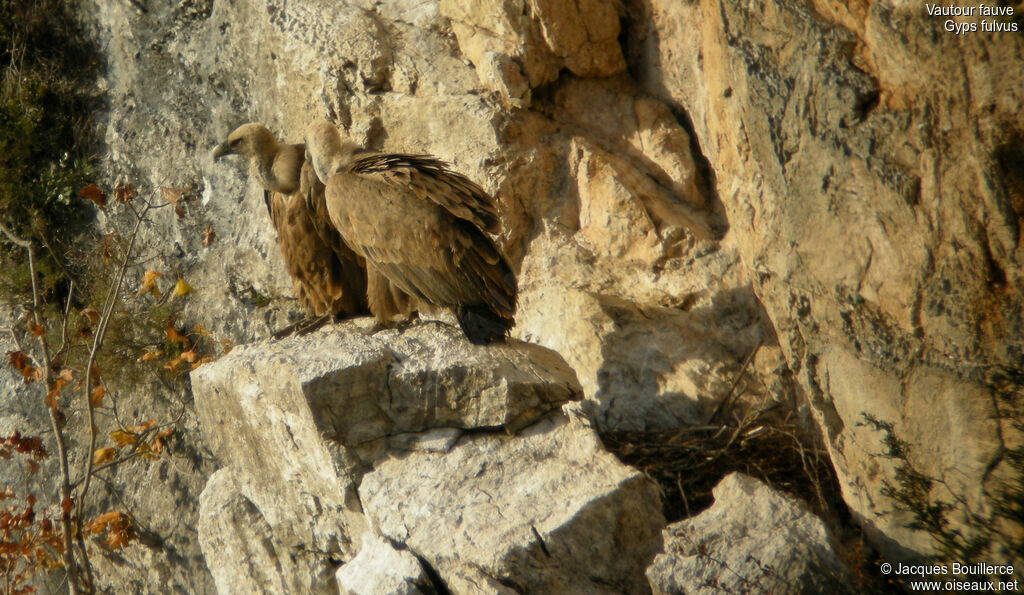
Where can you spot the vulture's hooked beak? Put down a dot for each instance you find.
(221, 150)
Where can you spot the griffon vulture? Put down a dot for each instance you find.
(421, 226)
(327, 277)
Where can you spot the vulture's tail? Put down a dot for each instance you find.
(482, 325)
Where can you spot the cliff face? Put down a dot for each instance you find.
(836, 186)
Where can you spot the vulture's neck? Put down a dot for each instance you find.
(278, 168)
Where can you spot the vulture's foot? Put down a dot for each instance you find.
(302, 327)
(400, 325)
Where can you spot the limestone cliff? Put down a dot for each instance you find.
(837, 187)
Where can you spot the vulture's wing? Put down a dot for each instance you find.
(430, 179)
(389, 206)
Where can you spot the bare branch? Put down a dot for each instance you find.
(109, 305)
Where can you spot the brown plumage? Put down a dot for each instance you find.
(327, 277)
(420, 226)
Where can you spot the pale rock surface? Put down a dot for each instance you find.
(752, 540)
(380, 568)
(518, 45)
(547, 510)
(241, 548)
(869, 165)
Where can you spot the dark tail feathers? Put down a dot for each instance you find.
(482, 325)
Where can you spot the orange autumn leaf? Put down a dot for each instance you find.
(22, 364)
(149, 423)
(33, 467)
(36, 330)
(189, 356)
(106, 518)
(122, 438)
(173, 335)
(117, 540)
(202, 332)
(96, 398)
(204, 360)
(148, 283)
(92, 192)
(149, 356)
(208, 236)
(124, 192)
(103, 455)
(58, 385)
(91, 314)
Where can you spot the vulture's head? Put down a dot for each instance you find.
(326, 150)
(251, 141)
(323, 145)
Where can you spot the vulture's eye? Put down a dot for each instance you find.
(235, 142)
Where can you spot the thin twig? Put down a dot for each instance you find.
(736, 381)
(64, 323)
(109, 305)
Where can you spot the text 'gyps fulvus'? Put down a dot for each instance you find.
(420, 226)
(327, 277)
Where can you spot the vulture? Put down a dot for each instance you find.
(421, 227)
(327, 277)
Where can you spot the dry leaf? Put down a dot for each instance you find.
(117, 539)
(6, 493)
(91, 314)
(122, 438)
(150, 355)
(124, 192)
(92, 192)
(181, 288)
(33, 467)
(189, 356)
(103, 455)
(173, 335)
(96, 398)
(173, 195)
(208, 236)
(203, 360)
(148, 283)
(36, 330)
(58, 385)
(20, 361)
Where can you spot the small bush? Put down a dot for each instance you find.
(47, 98)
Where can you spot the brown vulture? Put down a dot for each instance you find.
(420, 226)
(327, 277)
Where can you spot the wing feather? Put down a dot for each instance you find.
(430, 179)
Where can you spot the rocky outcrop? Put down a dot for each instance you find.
(862, 154)
(412, 445)
(753, 539)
